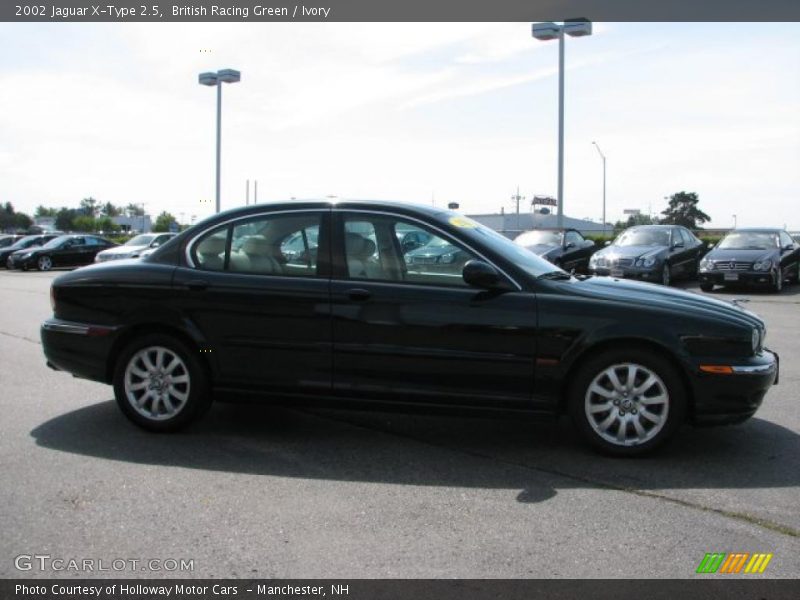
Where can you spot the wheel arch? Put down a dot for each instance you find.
(634, 344)
(143, 329)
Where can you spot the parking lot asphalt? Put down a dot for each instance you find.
(271, 492)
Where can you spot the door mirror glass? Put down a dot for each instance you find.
(480, 274)
(570, 245)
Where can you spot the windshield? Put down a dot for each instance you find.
(56, 242)
(749, 240)
(643, 237)
(524, 259)
(24, 242)
(539, 238)
(141, 240)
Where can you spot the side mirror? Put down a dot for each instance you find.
(789, 247)
(677, 245)
(607, 243)
(482, 275)
(155, 244)
(569, 245)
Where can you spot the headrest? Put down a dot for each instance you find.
(358, 246)
(256, 245)
(212, 245)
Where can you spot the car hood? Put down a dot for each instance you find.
(631, 251)
(117, 250)
(650, 295)
(733, 254)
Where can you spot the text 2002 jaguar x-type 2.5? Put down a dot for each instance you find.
(338, 303)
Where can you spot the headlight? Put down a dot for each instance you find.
(705, 264)
(26, 255)
(646, 262)
(764, 265)
(447, 258)
(407, 259)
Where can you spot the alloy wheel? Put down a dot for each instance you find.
(156, 383)
(627, 404)
(44, 263)
(665, 275)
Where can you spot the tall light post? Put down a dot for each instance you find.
(603, 156)
(551, 31)
(217, 79)
(734, 221)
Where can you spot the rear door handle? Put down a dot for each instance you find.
(358, 294)
(197, 285)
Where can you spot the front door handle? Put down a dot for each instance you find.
(358, 294)
(197, 285)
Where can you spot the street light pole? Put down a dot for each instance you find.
(551, 31)
(217, 79)
(603, 156)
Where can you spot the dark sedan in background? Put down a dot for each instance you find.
(9, 239)
(657, 253)
(762, 257)
(565, 248)
(495, 330)
(26, 243)
(62, 251)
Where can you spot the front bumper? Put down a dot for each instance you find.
(17, 262)
(757, 278)
(79, 348)
(642, 274)
(726, 398)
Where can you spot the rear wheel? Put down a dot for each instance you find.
(160, 384)
(44, 263)
(627, 402)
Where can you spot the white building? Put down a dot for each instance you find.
(511, 224)
(139, 224)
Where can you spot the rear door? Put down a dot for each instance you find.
(265, 317)
(407, 328)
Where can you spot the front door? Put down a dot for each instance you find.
(407, 328)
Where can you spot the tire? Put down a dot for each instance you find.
(154, 391)
(665, 275)
(619, 421)
(707, 287)
(44, 263)
(777, 287)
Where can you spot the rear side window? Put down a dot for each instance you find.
(283, 244)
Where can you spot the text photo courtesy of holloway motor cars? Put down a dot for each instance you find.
(364, 297)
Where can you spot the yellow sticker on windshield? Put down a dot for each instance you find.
(463, 222)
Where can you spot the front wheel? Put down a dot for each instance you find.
(777, 286)
(707, 287)
(44, 263)
(626, 403)
(665, 275)
(160, 384)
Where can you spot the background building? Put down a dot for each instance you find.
(511, 224)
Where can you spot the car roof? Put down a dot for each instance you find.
(654, 226)
(757, 230)
(395, 205)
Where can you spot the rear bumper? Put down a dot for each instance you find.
(78, 348)
(735, 397)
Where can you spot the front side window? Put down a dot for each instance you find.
(786, 240)
(385, 248)
(282, 244)
(575, 238)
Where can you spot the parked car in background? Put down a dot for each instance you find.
(365, 325)
(62, 251)
(135, 246)
(25, 243)
(657, 253)
(753, 256)
(565, 248)
(7, 240)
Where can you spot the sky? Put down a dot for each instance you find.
(420, 112)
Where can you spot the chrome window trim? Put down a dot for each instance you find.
(193, 241)
(429, 225)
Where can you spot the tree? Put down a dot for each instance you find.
(83, 223)
(109, 210)
(682, 210)
(22, 222)
(134, 210)
(635, 220)
(64, 219)
(43, 211)
(106, 225)
(163, 222)
(89, 207)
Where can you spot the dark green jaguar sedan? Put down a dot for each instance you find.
(227, 309)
